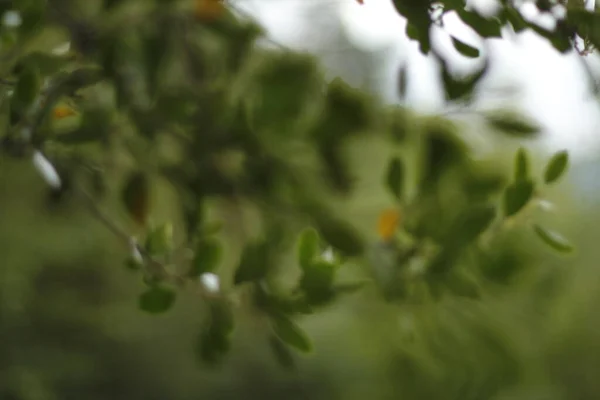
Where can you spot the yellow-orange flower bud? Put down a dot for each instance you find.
(388, 223)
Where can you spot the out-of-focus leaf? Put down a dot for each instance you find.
(350, 287)
(512, 124)
(516, 196)
(26, 90)
(336, 167)
(281, 353)
(316, 282)
(254, 263)
(45, 63)
(556, 167)
(402, 82)
(276, 103)
(442, 149)
(553, 239)
(586, 23)
(417, 14)
(395, 177)
(215, 339)
(521, 165)
(487, 28)
(291, 334)
(339, 235)
(207, 257)
(32, 15)
(465, 49)
(348, 110)
(157, 299)
(160, 240)
(95, 125)
(460, 88)
(276, 303)
(136, 197)
(515, 18)
(471, 223)
(308, 247)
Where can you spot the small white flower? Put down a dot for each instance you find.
(210, 282)
(328, 255)
(47, 170)
(12, 19)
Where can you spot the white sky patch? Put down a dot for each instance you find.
(553, 87)
(12, 19)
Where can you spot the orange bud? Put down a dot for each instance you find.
(361, 2)
(208, 9)
(388, 223)
(60, 112)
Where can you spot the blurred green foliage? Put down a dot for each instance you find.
(200, 208)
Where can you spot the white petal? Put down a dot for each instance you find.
(47, 170)
(135, 252)
(210, 282)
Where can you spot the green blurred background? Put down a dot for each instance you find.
(70, 327)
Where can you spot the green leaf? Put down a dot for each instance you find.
(80, 78)
(470, 224)
(512, 124)
(402, 82)
(516, 196)
(208, 255)
(157, 299)
(308, 247)
(340, 235)
(27, 89)
(316, 282)
(276, 103)
(32, 15)
(465, 49)
(45, 63)
(487, 28)
(215, 340)
(291, 334)
(160, 240)
(556, 167)
(136, 197)
(516, 19)
(254, 263)
(521, 165)
(281, 353)
(459, 88)
(553, 239)
(395, 177)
